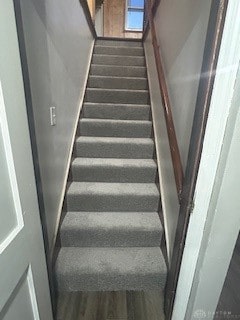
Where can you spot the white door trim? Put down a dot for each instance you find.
(24, 288)
(11, 171)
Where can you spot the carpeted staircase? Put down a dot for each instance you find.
(111, 234)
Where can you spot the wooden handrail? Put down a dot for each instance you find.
(88, 16)
(175, 154)
(146, 21)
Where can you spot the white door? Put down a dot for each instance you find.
(24, 291)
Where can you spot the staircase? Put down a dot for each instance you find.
(111, 233)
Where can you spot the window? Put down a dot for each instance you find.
(134, 15)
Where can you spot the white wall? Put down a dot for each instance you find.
(223, 221)
(181, 28)
(58, 46)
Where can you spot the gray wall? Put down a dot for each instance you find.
(58, 47)
(181, 28)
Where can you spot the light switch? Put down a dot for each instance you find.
(53, 116)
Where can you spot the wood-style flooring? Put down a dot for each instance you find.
(119, 305)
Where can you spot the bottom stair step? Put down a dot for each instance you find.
(110, 269)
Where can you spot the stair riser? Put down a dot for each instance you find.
(120, 112)
(111, 282)
(114, 150)
(114, 174)
(118, 71)
(118, 60)
(81, 269)
(118, 83)
(110, 238)
(118, 43)
(114, 96)
(89, 202)
(105, 129)
(124, 51)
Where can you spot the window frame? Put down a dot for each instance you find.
(136, 9)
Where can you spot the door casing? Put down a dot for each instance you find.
(24, 281)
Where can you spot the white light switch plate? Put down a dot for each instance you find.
(53, 116)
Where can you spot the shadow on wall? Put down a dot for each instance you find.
(181, 29)
(58, 50)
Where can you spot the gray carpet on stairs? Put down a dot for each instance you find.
(112, 170)
(118, 128)
(135, 268)
(109, 229)
(111, 233)
(116, 111)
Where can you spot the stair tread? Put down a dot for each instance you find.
(114, 147)
(117, 77)
(116, 95)
(117, 59)
(117, 46)
(114, 170)
(116, 121)
(120, 42)
(119, 50)
(115, 128)
(116, 66)
(105, 221)
(117, 56)
(117, 90)
(106, 268)
(131, 105)
(113, 188)
(93, 110)
(111, 111)
(119, 140)
(111, 229)
(112, 196)
(117, 70)
(114, 162)
(117, 82)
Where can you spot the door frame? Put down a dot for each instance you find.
(208, 70)
(22, 249)
(35, 156)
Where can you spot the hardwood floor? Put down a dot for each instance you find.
(119, 305)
